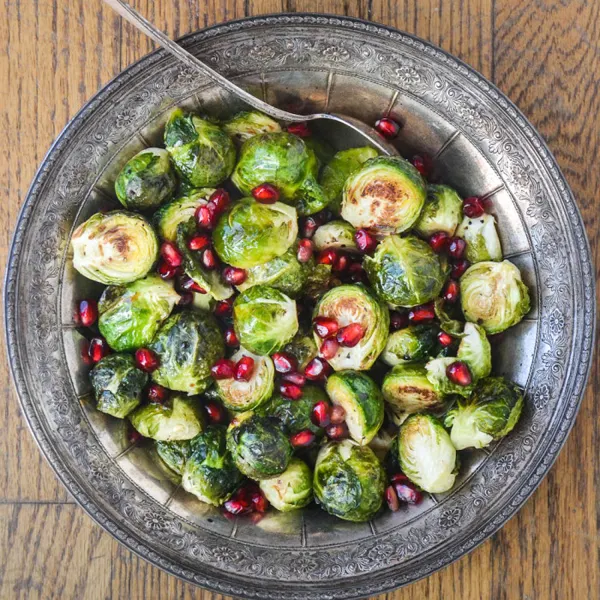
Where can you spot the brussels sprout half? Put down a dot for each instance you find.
(362, 401)
(335, 234)
(413, 343)
(246, 124)
(442, 211)
(146, 181)
(210, 473)
(493, 295)
(250, 234)
(354, 304)
(291, 489)
(130, 315)
(490, 413)
(349, 481)
(405, 271)
(114, 248)
(179, 418)
(482, 239)
(385, 195)
(475, 350)
(173, 454)
(181, 210)
(202, 152)
(117, 385)
(187, 344)
(426, 454)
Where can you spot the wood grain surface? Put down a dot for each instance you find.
(55, 54)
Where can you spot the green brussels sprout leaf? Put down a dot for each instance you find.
(173, 454)
(246, 124)
(482, 239)
(475, 350)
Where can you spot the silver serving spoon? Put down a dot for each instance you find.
(348, 130)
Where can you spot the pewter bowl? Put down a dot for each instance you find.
(481, 145)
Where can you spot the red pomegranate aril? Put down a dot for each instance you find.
(299, 129)
(398, 320)
(451, 291)
(165, 270)
(98, 349)
(236, 506)
(215, 412)
(391, 498)
(326, 257)
(244, 368)
(310, 225)
(458, 268)
(88, 312)
(338, 414)
(423, 313)
(473, 207)
(407, 492)
(320, 414)
(209, 259)
(350, 335)
(189, 285)
(231, 339)
(456, 247)
(284, 362)
(329, 348)
(220, 200)
(399, 478)
(205, 216)
(229, 516)
(423, 164)
(356, 272)
(387, 127)
(317, 369)
(458, 373)
(445, 339)
(134, 436)
(223, 369)
(324, 326)
(146, 360)
(302, 439)
(259, 502)
(305, 250)
(439, 241)
(365, 241)
(265, 193)
(291, 391)
(85, 353)
(295, 378)
(171, 254)
(199, 242)
(234, 275)
(185, 299)
(157, 393)
(341, 264)
(337, 431)
(223, 308)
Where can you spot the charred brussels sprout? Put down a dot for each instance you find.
(386, 195)
(251, 234)
(426, 454)
(179, 418)
(360, 397)
(187, 344)
(210, 473)
(264, 319)
(291, 489)
(348, 304)
(490, 413)
(245, 395)
(482, 239)
(413, 343)
(258, 445)
(335, 234)
(117, 385)
(493, 295)
(131, 315)
(246, 124)
(349, 481)
(442, 211)
(302, 348)
(405, 271)
(146, 181)
(283, 160)
(173, 454)
(114, 248)
(202, 152)
(475, 350)
(181, 210)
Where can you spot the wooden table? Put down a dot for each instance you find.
(544, 55)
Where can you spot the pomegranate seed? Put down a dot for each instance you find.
(320, 414)
(237, 507)
(302, 439)
(220, 200)
(223, 308)
(88, 312)
(223, 369)
(266, 193)
(387, 127)
(337, 431)
(85, 353)
(356, 272)
(228, 515)
(98, 349)
(209, 259)
(423, 164)
(422, 313)
(299, 129)
(350, 335)
(310, 225)
(234, 275)
(444, 339)
(473, 207)
(146, 360)
(305, 250)
(171, 254)
(291, 391)
(189, 285)
(324, 326)
(392, 498)
(259, 502)
(458, 373)
(458, 268)
(185, 298)
(157, 393)
(326, 257)
(398, 320)
(399, 477)
(439, 241)
(199, 242)
(340, 264)
(231, 339)
(451, 291)
(284, 362)
(165, 270)
(215, 412)
(365, 241)
(456, 247)
(295, 378)
(135, 436)
(244, 368)
(329, 348)
(338, 414)
(407, 492)
(317, 369)
(205, 216)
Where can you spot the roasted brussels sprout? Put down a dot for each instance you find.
(382, 443)
(251, 234)
(291, 489)
(302, 348)
(117, 385)
(447, 323)
(413, 343)
(426, 453)
(318, 282)
(385, 195)
(114, 248)
(360, 397)
(202, 152)
(264, 319)
(482, 239)
(248, 123)
(405, 271)
(187, 344)
(354, 304)
(349, 481)
(130, 315)
(210, 473)
(475, 350)
(179, 418)
(181, 210)
(283, 160)
(335, 234)
(490, 413)
(407, 390)
(341, 166)
(258, 445)
(146, 181)
(173, 454)
(245, 395)
(493, 295)
(442, 211)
